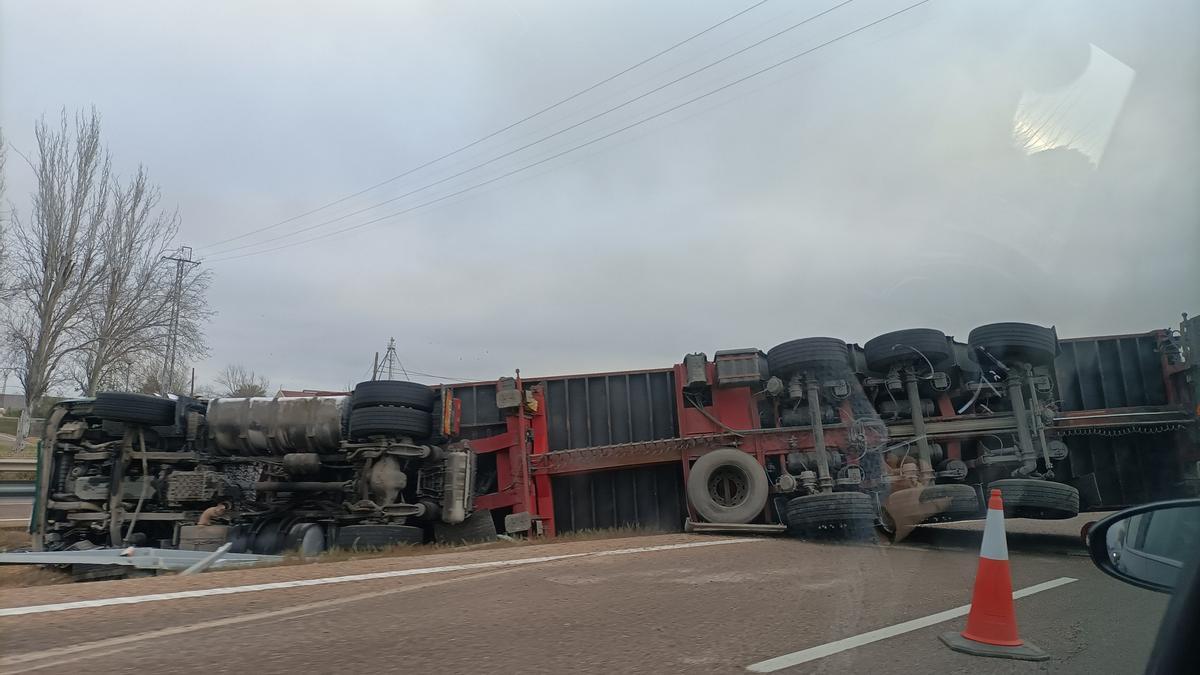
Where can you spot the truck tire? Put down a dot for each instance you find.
(963, 502)
(789, 357)
(113, 428)
(140, 409)
(389, 421)
(375, 537)
(727, 486)
(477, 528)
(831, 513)
(1040, 499)
(392, 392)
(1025, 342)
(307, 539)
(897, 348)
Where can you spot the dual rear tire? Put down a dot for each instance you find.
(140, 409)
(831, 514)
(1016, 342)
(1040, 499)
(391, 408)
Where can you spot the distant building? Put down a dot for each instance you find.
(294, 393)
(12, 401)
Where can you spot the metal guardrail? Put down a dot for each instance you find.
(18, 464)
(16, 488)
(141, 558)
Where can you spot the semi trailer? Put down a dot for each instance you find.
(815, 436)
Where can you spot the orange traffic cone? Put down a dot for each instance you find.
(992, 622)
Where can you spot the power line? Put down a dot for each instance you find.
(542, 139)
(493, 134)
(447, 377)
(593, 141)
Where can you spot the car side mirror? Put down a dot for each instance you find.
(1149, 545)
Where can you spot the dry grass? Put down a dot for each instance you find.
(14, 538)
(29, 451)
(406, 550)
(606, 533)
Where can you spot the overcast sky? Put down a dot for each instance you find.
(958, 164)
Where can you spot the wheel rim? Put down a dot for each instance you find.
(728, 486)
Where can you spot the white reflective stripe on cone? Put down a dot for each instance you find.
(995, 547)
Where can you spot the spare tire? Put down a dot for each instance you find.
(389, 421)
(1039, 499)
(1025, 342)
(134, 409)
(789, 357)
(727, 486)
(375, 537)
(830, 512)
(904, 347)
(392, 392)
(477, 528)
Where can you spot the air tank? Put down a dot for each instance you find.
(272, 427)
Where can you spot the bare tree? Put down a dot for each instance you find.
(238, 381)
(145, 377)
(56, 259)
(7, 352)
(129, 321)
(3, 221)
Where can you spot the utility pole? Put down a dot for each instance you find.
(183, 261)
(390, 362)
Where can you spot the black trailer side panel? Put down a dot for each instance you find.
(1110, 372)
(585, 410)
(1114, 468)
(607, 409)
(1115, 471)
(480, 416)
(648, 497)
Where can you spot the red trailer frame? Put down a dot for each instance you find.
(525, 464)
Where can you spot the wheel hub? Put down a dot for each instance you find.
(728, 486)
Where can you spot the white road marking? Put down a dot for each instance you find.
(250, 588)
(821, 651)
(62, 662)
(89, 649)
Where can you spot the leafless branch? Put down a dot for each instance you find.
(90, 297)
(238, 381)
(131, 316)
(55, 262)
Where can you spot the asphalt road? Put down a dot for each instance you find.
(643, 604)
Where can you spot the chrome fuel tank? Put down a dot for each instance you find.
(267, 427)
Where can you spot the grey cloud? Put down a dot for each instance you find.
(873, 186)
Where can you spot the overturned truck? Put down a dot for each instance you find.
(815, 435)
(371, 469)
